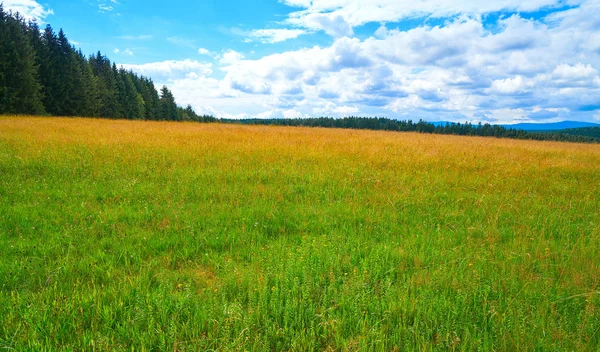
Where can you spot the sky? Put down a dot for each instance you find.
(497, 61)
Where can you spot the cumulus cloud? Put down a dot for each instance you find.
(523, 70)
(334, 25)
(230, 57)
(518, 84)
(29, 9)
(171, 69)
(578, 75)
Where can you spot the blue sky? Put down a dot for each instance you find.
(498, 61)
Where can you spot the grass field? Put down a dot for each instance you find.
(121, 235)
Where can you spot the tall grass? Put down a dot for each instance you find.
(121, 235)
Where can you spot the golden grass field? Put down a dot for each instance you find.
(130, 235)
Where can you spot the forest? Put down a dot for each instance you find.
(584, 131)
(41, 73)
(466, 129)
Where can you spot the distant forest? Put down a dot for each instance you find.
(42, 74)
(466, 129)
(585, 131)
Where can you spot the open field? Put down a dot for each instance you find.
(118, 235)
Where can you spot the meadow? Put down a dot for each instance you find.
(153, 236)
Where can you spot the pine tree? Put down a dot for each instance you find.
(152, 101)
(168, 108)
(134, 109)
(20, 92)
(49, 75)
(70, 78)
(42, 72)
(90, 99)
(106, 85)
(3, 61)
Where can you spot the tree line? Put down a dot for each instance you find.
(41, 73)
(386, 124)
(582, 131)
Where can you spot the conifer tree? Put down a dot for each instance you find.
(90, 100)
(106, 86)
(152, 101)
(49, 72)
(3, 61)
(41, 72)
(168, 106)
(20, 92)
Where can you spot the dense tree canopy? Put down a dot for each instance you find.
(466, 129)
(42, 73)
(593, 132)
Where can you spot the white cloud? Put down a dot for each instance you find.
(271, 36)
(203, 51)
(333, 109)
(514, 85)
(171, 69)
(578, 72)
(230, 57)
(426, 45)
(340, 16)
(334, 25)
(126, 52)
(507, 115)
(382, 31)
(29, 9)
(524, 70)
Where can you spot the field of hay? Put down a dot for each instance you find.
(122, 235)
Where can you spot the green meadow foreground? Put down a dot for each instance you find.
(121, 235)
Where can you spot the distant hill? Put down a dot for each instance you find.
(555, 126)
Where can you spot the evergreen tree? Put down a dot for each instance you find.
(42, 72)
(168, 107)
(106, 86)
(90, 103)
(69, 77)
(134, 108)
(3, 61)
(21, 91)
(190, 113)
(152, 101)
(49, 72)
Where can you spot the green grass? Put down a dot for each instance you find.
(123, 235)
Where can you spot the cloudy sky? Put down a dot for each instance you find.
(498, 61)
